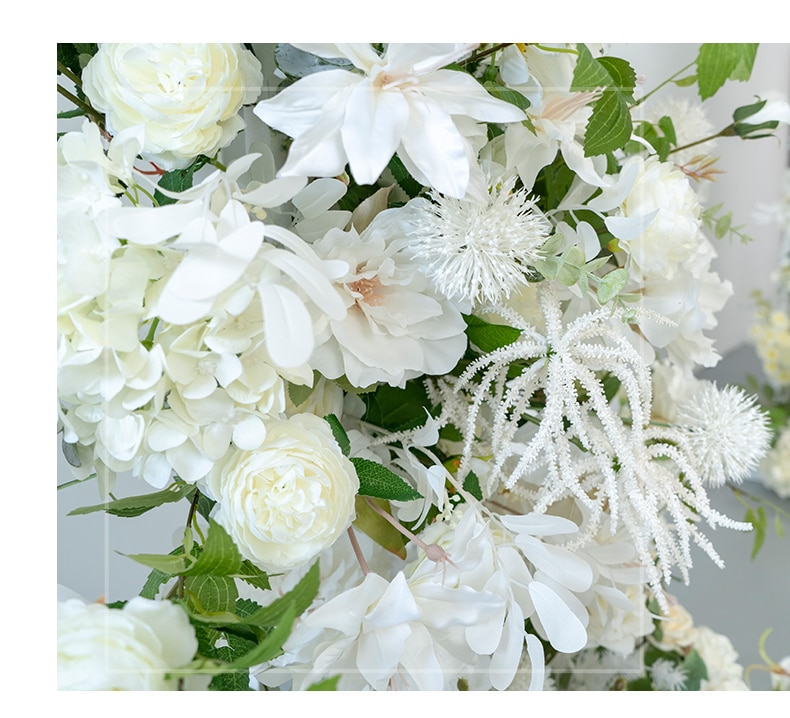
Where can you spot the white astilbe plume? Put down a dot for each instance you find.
(644, 476)
(479, 251)
(726, 430)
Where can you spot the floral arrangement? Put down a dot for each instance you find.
(410, 331)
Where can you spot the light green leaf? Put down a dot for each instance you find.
(611, 284)
(171, 565)
(132, 506)
(377, 527)
(780, 532)
(339, 433)
(299, 393)
(695, 669)
(328, 684)
(211, 594)
(507, 95)
(378, 481)
(299, 598)
(252, 575)
(719, 62)
(219, 556)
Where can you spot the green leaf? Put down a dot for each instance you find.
(507, 95)
(205, 505)
(299, 599)
(486, 336)
(132, 506)
(780, 532)
(472, 485)
(328, 684)
(377, 527)
(686, 81)
(271, 646)
(622, 74)
(211, 594)
(171, 565)
(339, 433)
(611, 385)
(668, 128)
(719, 62)
(397, 409)
(156, 578)
(378, 481)
(401, 175)
(219, 556)
(759, 522)
(611, 285)
(742, 113)
(254, 576)
(299, 393)
(695, 670)
(178, 180)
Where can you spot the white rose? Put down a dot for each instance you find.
(131, 649)
(288, 500)
(721, 660)
(664, 227)
(186, 95)
(677, 629)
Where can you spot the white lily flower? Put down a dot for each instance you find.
(402, 103)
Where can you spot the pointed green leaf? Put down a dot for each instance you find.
(609, 126)
(254, 576)
(132, 506)
(623, 76)
(271, 646)
(780, 532)
(219, 556)
(156, 578)
(299, 393)
(719, 62)
(171, 565)
(695, 669)
(472, 485)
(507, 95)
(378, 528)
(211, 594)
(299, 599)
(378, 481)
(328, 684)
(486, 336)
(339, 433)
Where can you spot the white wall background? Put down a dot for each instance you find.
(742, 601)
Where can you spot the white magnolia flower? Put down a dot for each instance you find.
(187, 96)
(400, 102)
(291, 498)
(396, 326)
(726, 431)
(131, 649)
(479, 251)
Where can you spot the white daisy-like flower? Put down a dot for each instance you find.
(726, 430)
(667, 676)
(479, 250)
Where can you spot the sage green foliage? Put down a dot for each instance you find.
(719, 62)
(379, 482)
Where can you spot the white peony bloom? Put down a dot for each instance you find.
(396, 326)
(677, 628)
(721, 660)
(288, 500)
(130, 649)
(187, 96)
(401, 102)
(658, 225)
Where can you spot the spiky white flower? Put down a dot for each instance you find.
(479, 250)
(667, 676)
(726, 431)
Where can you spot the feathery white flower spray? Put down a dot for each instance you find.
(726, 430)
(480, 251)
(667, 676)
(583, 447)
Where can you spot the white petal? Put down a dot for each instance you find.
(563, 629)
(289, 329)
(249, 433)
(422, 58)
(319, 196)
(460, 94)
(360, 53)
(506, 659)
(565, 567)
(274, 193)
(537, 662)
(539, 524)
(149, 225)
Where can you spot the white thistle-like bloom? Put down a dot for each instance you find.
(726, 430)
(690, 122)
(667, 676)
(582, 448)
(479, 251)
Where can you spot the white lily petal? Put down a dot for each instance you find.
(289, 329)
(319, 196)
(629, 228)
(147, 226)
(460, 94)
(539, 524)
(274, 193)
(422, 58)
(506, 659)
(538, 662)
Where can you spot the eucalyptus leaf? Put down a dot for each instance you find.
(298, 63)
(611, 284)
(695, 669)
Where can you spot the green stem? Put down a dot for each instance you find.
(546, 48)
(148, 342)
(63, 70)
(744, 496)
(82, 105)
(726, 132)
(475, 57)
(666, 82)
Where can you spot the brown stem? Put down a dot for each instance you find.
(357, 550)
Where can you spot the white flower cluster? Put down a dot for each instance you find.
(527, 485)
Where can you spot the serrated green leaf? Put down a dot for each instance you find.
(271, 646)
(219, 556)
(397, 409)
(486, 336)
(611, 284)
(378, 481)
(695, 669)
(622, 74)
(339, 433)
(328, 684)
(205, 506)
(171, 565)
(377, 527)
(609, 126)
(246, 607)
(299, 599)
(132, 506)
(719, 62)
(156, 578)
(401, 175)
(211, 594)
(588, 73)
(178, 180)
(254, 576)
(668, 128)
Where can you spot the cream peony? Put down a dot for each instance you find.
(128, 649)
(291, 498)
(187, 96)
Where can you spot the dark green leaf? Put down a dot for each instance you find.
(178, 180)
(611, 385)
(472, 485)
(622, 74)
(339, 433)
(298, 393)
(156, 578)
(609, 126)
(271, 646)
(486, 336)
(742, 113)
(136, 505)
(640, 684)
(377, 527)
(407, 183)
(397, 409)
(378, 481)
(246, 607)
(668, 128)
(205, 505)
(507, 95)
